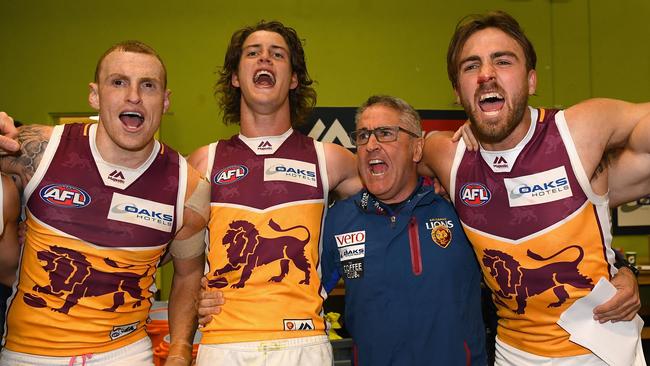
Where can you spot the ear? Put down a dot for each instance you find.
(93, 95)
(532, 82)
(294, 81)
(234, 80)
(457, 96)
(166, 100)
(418, 146)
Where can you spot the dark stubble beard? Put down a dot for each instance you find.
(495, 133)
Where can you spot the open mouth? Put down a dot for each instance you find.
(264, 78)
(132, 120)
(491, 102)
(377, 167)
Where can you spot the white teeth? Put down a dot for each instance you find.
(490, 95)
(132, 114)
(375, 161)
(264, 72)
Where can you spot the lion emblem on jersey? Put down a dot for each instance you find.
(521, 283)
(72, 276)
(245, 247)
(441, 235)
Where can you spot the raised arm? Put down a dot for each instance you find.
(601, 125)
(629, 168)
(438, 156)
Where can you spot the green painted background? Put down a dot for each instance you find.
(354, 48)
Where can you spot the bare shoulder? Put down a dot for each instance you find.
(33, 140)
(337, 154)
(439, 150)
(199, 159)
(610, 120)
(342, 171)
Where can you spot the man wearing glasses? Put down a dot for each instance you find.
(412, 283)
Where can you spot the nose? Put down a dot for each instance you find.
(134, 94)
(373, 143)
(265, 57)
(486, 73)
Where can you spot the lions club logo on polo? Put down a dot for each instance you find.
(63, 195)
(230, 174)
(475, 194)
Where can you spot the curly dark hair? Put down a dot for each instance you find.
(474, 23)
(301, 99)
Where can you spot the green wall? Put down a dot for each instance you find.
(354, 48)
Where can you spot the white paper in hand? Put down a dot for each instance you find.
(615, 343)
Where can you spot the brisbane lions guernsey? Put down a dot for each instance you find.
(95, 234)
(540, 233)
(268, 203)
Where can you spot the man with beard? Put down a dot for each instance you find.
(269, 194)
(534, 199)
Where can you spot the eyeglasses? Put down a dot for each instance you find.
(382, 134)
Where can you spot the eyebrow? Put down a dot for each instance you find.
(493, 56)
(273, 47)
(118, 75)
(469, 58)
(503, 53)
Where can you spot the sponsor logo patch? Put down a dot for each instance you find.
(548, 186)
(499, 163)
(352, 252)
(288, 170)
(264, 145)
(475, 194)
(116, 176)
(122, 330)
(353, 269)
(66, 196)
(356, 237)
(138, 211)
(230, 174)
(298, 324)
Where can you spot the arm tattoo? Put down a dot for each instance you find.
(607, 160)
(33, 139)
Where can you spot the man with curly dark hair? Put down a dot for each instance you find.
(269, 194)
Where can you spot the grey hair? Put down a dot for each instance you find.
(408, 115)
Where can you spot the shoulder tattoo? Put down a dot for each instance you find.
(33, 140)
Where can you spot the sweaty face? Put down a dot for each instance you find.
(493, 84)
(264, 74)
(388, 169)
(131, 99)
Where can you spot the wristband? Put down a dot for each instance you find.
(625, 264)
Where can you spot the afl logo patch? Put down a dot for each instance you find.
(441, 235)
(63, 195)
(475, 194)
(230, 174)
